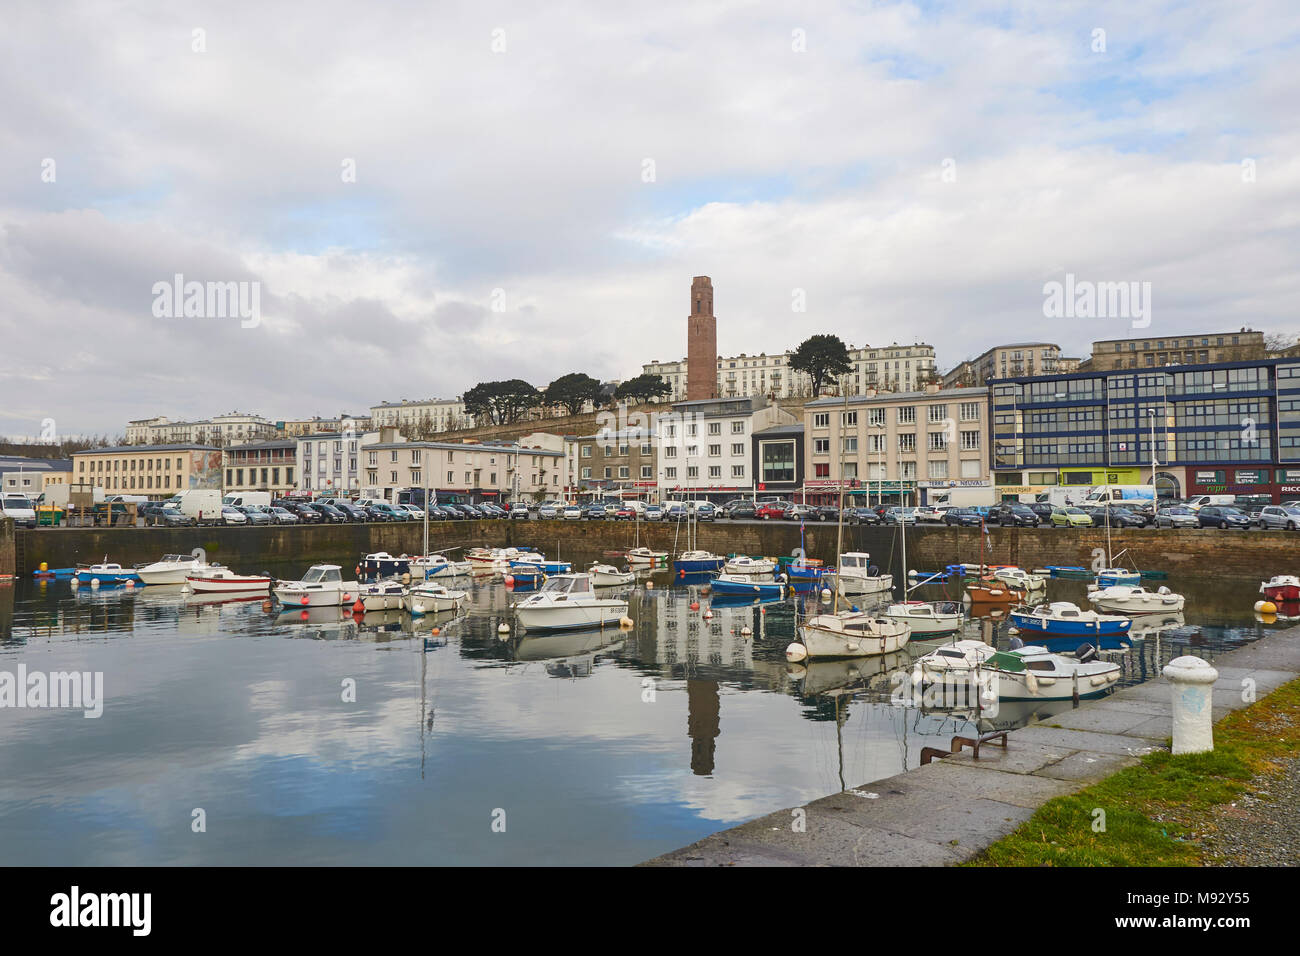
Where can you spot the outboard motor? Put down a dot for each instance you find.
(1086, 653)
(1016, 644)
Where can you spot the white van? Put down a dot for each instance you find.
(18, 507)
(1198, 501)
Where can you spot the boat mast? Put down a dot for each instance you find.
(839, 534)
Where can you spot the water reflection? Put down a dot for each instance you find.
(237, 700)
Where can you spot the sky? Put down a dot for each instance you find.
(426, 196)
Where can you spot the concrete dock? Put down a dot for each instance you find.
(952, 809)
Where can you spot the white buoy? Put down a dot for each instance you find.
(796, 652)
(626, 622)
(747, 630)
(708, 615)
(911, 574)
(826, 594)
(94, 582)
(503, 628)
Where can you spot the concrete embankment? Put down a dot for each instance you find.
(1225, 555)
(952, 809)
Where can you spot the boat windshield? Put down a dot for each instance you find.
(321, 576)
(565, 585)
(852, 562)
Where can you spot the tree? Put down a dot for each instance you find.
(501, 403)
(572, 392)
(643, 388)
(821, 357)
(1280, 341)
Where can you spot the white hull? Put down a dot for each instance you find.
(421, 601)
(383, 598)
(234, 584)
(173, 575)
(828, 640)
(864, 584)
(572, 616)
(308, 595)
(605, 579)
(644, 557)
(749, 567)
(1172, 604)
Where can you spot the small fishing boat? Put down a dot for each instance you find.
(381, 564)
(433, 598)
(994, 592)
(1281, 587)
(927, 617)
(608, 576)
(857, 575)
(744, 564)
(646, 556)
(491, 559)
(382, 596)
(698, 562)
(1067, 571)
(746, 585)
(171, 569)
(1020, 578)
(321, 586)
(106, 572)
(1061, 619)
(569, 602)
(215, 579)
(1127, 599)
(1025, 673)
(852, 634)
(439, 566)
(523, 578)
(1109, 577)
(534, 559)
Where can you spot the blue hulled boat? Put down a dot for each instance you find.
(742, 585)
(1062, 620)
(698, 562)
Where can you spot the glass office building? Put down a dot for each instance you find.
(1231, 428)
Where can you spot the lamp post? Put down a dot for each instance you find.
(880, 479)
(1151, 414)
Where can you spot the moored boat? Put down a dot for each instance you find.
(1109, 577)
(744, 584)
(569, 602)
(851, 634)
(215, 579)
(1061, 619)
(1025, 673)
(382, 595)
(1128, 599)
(645, 556)
(927, 617)
(856, 574)
(433, 598)
(106, 572)
(608, 576)
(1281, 587)
(172, 569)
(381, 564)
(321, 586)
(439, 566)
(744, 564)
(698, 562)
(1020, 578)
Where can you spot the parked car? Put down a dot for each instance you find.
(416, 513)
(233, 516)
(961, 517)
(519, 511)
(255, 515)
(307, 514)
(771, 509)
(1043, 510)
(1071, 518)
(353, 512)
(1280, 516)
(653, 513)
(742, 509)
(675, 513)
(594, 512)
(378, 513)
(548, 510)
(469, 511)
(826, 513)
(172, 518)
(451, 512)
(1177, 516)
(861, 516)
(927, 513)
(1222, 516)
(1121, 518)
(899, 515)
(572, 513)
(705, 511)
(1014, 515)
(284, 516)
(625, 513)
(330, 513)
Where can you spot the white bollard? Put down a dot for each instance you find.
(1192, 681)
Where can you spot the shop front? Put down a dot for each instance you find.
(858, 492)
(1278, 484)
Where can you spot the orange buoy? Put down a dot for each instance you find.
(358, 608)
(695, 605)
(436, 631)
(305, 616)
(305, 600)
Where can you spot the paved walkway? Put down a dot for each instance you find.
(951, 809)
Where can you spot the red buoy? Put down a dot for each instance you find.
(305, 600)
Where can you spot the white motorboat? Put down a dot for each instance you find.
(172, 569)
(321, 586)
(568, 602)
(439, 566)
(1026, 673)
(857, 575)
(381, 564)
(743, 564)
(433, 598)
(927, 617)
(1131, 599)
(491, 559)
(215, 579)
(382, 595)
(1020, 578)
(852, 634)
(106, 572)
(646, 556)
(608, 576)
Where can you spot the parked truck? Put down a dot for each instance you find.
(962, 498)
(201, 504)
(1131, 493)
(71, 494)
(245, 499)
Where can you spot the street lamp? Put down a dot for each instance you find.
(880, 479)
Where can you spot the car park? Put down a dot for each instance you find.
(572, 513)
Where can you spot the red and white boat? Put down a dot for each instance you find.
(214, 578)
(1281, 587)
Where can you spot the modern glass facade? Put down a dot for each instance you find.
(1245, 413)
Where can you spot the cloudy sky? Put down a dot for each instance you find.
(435, 194)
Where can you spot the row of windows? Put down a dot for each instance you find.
(270, 477)
(100, 466)
(624, 471)
(622, 450)
(693, 471)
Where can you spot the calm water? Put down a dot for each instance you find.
(237, 710)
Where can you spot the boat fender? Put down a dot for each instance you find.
(873, 571)
(1163, 590)
(1016, 644)
(1085, 653)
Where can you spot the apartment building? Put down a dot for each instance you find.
(463, 472)
(1009, 361)
(1217, 428)
(706, 446)
(894, 367)
(227, 429)
(331, 463)
(292, 428)
(262, 466)
(892, 446)
(158, 471)
(1243, 345)
(615, 463)
(430, 415)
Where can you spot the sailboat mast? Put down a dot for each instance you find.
(839, 534)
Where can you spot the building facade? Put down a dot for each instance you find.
(1010, 361)
(158, 471)
(1219, 428)
(230, 428)
(330, 462)
(621, 464)
(893, 447)
(776, 461)
(463, 472)
(1148, 352)
(426, 416)
(262, 466)
(706, 450)
(701, 342)
(292, 428)
(31, 476)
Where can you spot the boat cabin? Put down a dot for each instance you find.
(323, 574)
(567, 584)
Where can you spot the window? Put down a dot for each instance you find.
(737, 448)
(937, 413)
(876, 416)
(586, 451)
(645, 449)
(622, 451)
(693, 471)
(822, 420)
(715, 428)
(737, 471)
(392, 477)
(670, 451)
(907, 415)
(907, 442)
(939, 468)
(737, 428)
(670, 472)
(937, 441)
(970, 440)
(821, 446)
(609, 472)
(415, 476)
(849, 419)
(647, 471)
(624, 471)
(822, 471)
(715, 471)
(970, 468)
(715, 451)
(849, 444)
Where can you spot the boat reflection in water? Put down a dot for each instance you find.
(568, 654)
(327, 623)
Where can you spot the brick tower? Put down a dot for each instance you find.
(701, 342)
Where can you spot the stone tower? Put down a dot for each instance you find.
(701, 343)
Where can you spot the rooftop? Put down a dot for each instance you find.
(892, 398)
(122, 449)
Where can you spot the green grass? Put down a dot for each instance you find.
(1151, 808)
